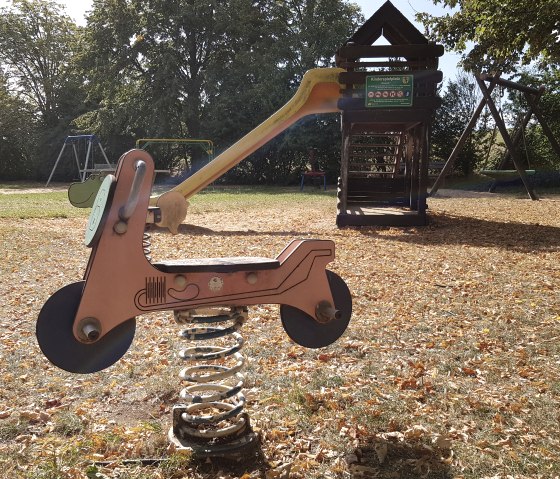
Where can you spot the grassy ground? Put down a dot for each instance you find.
(450, 367)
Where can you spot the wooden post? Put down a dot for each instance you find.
(424, 158)
(517, 134)
(414, 170)
(399, 155)
(408, 164)
(344, 162)
(507, 139)
(462, 140)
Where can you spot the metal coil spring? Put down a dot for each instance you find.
(147, 245)
(214, 402)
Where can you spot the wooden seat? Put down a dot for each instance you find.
(218, 265)
(505, 175)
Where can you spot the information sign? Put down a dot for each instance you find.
(387, 91)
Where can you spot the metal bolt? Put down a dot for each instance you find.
(215, 284)
(120, 227)
(252, 278)
(90, 329)
(180, 282)
(325, 312)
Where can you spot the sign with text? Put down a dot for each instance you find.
(387, 91)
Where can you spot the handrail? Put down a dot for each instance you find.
(128, 209)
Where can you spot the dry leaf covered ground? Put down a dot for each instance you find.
(450, 367)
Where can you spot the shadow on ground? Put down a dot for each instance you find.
(395, 456)
(443, 229)
(463, 230)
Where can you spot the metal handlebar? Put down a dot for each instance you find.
(126, 211)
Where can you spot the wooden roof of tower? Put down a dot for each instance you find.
(405, 42)
(390, 23)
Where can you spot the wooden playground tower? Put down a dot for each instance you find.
(387, 103)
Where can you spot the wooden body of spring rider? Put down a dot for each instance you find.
(88, 325)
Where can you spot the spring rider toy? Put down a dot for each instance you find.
(88, 325)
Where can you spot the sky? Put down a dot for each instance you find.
(448, 63)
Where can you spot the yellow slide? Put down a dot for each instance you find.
(318, 92)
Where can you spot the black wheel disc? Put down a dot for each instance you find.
(57, 341)
(309, 333)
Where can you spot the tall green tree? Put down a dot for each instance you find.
(147, 64)
(17, 135)
(504, 35)
(535, 147)
(299, 35)
(37, 45)
(193, 68)
(459, 100)
(316, 29)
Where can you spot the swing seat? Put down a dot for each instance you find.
(505, 175)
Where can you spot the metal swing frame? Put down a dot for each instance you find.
(91, 140)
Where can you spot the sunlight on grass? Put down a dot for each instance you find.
(55, 204)
(257, 198)
(38, 205)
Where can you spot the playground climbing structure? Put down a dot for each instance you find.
(387, 102)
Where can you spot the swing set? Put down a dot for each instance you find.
(487, 83)
(85, 143)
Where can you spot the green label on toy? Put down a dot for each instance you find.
(386, 91)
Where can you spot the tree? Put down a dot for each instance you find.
(37, 44)
(534, 145)
(193, 68)
(316, 29)
(459, 101)
(147, 63)
(506, 34)
(304, 35)
(17, 135)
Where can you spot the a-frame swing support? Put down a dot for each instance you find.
(506, 137)
(532, 95)
(72, 140)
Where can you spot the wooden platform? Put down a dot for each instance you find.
(376, 216)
